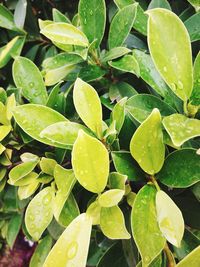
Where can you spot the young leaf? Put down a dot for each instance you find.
(92, 174)
(39, 213)
(65, 33)
(112, 223)
(147, 146)
(121, 25)
(140, 106)
(111, 198)
(191, 259)
(26, 180)
(26, 191)
(169, 49)
(178, 171)
(35, 118)
(149, 73)
(169, 218)
(145, 229)
(4, 131)
(27, 76)
(72, 246)
(64, 133)
(88, 106)
(41, 252)
(127, 64)
(117, 181)
(118, 114)
(94, 212)
(47, 165)
(195, 97)
(180, 128)
(115, 53)
(93, 12)
(59, 17)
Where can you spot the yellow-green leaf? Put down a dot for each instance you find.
(90, 161)
(94, 211)
(39, 213)
(169, 218)
(110, 198)
(26, 191)
(180, 128)
(4, 131)
(113, 224)
(65, 33)
(88, 106)
(71, 249)
(171, 50)
(192, 259)
(47, 165)
(145, 229)
(147, 146)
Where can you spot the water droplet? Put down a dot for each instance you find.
(173, 86)
(31, 84)
(81, 172)
(91, 12)
(85, 21)
(165, 69)
(72, 250)
(47, 199)
(180, 85)
(198, 80)
(146, 258)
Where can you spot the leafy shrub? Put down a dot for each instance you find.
(100, 136)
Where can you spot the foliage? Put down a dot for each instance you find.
(100, 132)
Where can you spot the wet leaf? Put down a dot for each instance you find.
(147, 146)
(47, 165)
(94, 211)
(92, 174)
(111, 198)
(114, 53)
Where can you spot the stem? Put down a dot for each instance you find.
(153, 180)
(185, 109)
(169, 256)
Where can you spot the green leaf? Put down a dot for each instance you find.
(88, 106)
(65, 181)
(92, 12)
(14, 226)
(94, 212)
(180, 128)
(58, 67)
(145, 229)
(64, 133)
(195, 3)
(112, 223)
(33, 119)
(140, 106)
(169, 49)
(119, 90)
(39, 213)
(149, 73)
(21, 170)
(41, 252)
(195, 97)
(4, 131)
(118, 114)
(47, 165)
(26, 191)
(25, 180)
(122, 3)
(117, 181)
(159, 3)
(126, 165)
(11, 50)
(140, 23)
(27, 76)
(6, 19)
(169, 218)
(121, 25)
(20, 13)
(114, 53)
(59, 17)
(111, 198)
(192, 25)
(191, 259)
(178, 171)
(90, 161)
(72, 246)
(126, 64)
(147, 146)
(65, 33)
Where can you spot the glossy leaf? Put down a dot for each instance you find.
(35, 118)
(28, 77)
(169, 218)
(145, 229)
(39, 213)
(94, 211)
(195, 3)
(26, 191)
(120, 90)
(178, 171)
(88, 106)
(118, 113)
(140, 106)
(180, 128)
(47, 165)
(20, 13)
(114, 53)
(195, 97)
(64, 133)
(191, 259)
(110, 198)
(59, 17)
(149, 73)
(159, 3)
(25, 180)
(167, 49)
(65, 33)
(72, 246)
(147, 146)
(192, 26)
(92, 174)
(121, 25)
(93, 12)
(4, 131)
(112, 223)
(122, 3)
(6, 19)
(14, 226)
(117, 181)
(41, 252)
(126, 64)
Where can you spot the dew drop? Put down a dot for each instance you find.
(31, 84)
(72, 250)
(46, 199)
(165, 69)
(91, 12)
(180, 85)
(85, 21)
